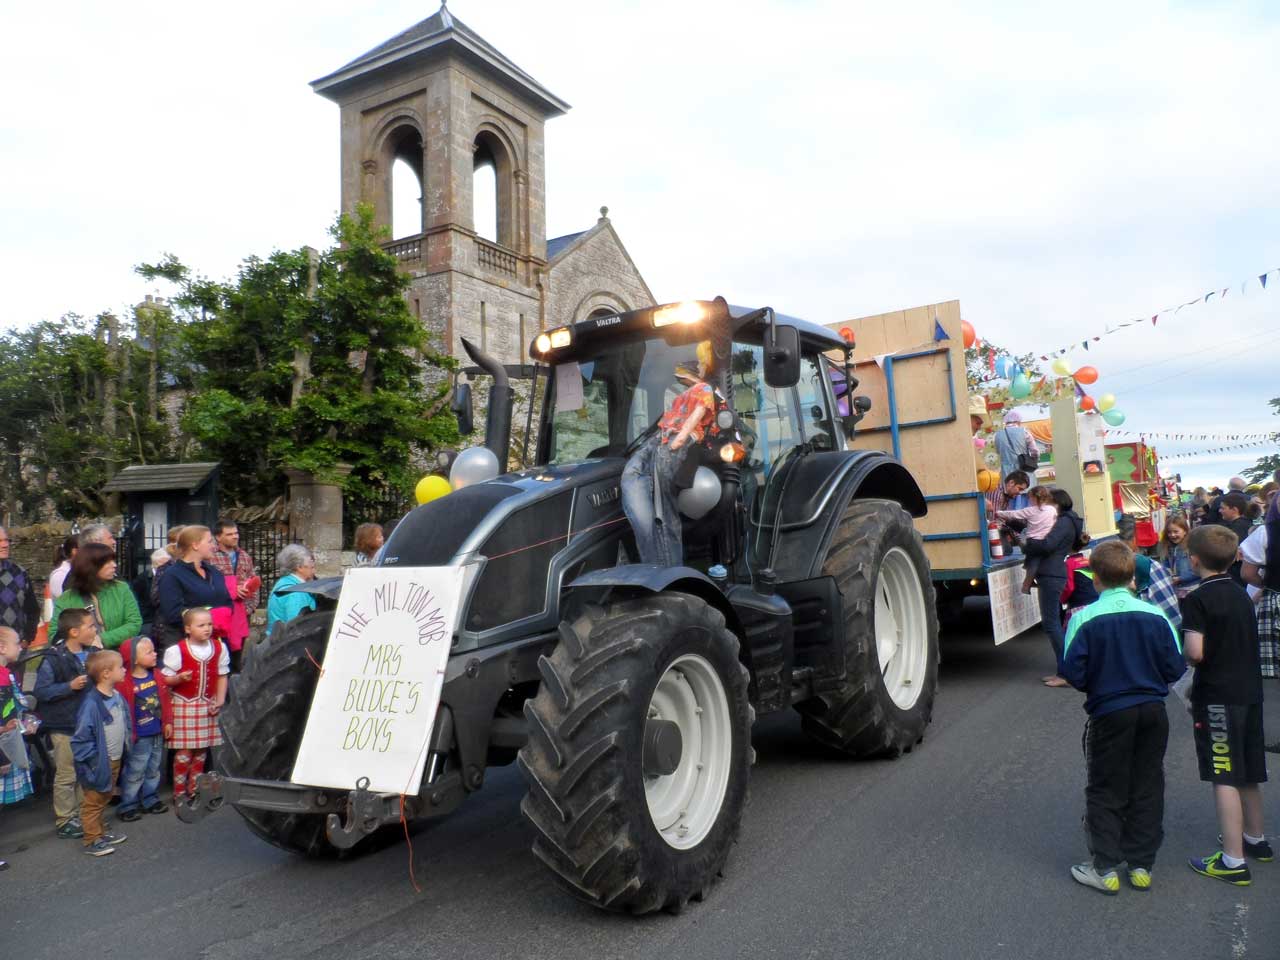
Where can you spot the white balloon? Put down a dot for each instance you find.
(696, 502)
(473, 465)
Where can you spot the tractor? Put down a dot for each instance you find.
(626, 692)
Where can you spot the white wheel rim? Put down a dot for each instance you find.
(685, 804)
(902, 628)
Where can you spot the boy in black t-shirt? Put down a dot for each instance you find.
(1220, 636)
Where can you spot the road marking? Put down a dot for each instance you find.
(1240, 932)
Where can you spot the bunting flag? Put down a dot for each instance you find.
(1116, 328)
(1185, 435)
(938, 332)
(1208, 450)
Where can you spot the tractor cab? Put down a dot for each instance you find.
(610, 379)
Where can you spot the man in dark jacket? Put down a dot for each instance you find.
(60, 686)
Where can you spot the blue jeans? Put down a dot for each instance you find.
(1051, 613)
(649, 501)
(142, 773)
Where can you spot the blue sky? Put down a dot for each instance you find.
(1055, 169)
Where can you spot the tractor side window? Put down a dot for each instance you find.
(815, 408)
(768, 414)
(580, 427)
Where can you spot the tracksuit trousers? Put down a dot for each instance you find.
(1124, 800)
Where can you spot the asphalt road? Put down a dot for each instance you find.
(959, 850)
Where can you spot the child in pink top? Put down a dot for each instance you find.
(1039, 518)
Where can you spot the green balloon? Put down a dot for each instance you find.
(1020, 387)
(1113, 417)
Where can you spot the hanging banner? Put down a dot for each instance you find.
(379, 686)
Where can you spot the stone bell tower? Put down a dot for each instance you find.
(445, 101)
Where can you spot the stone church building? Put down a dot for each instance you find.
(444, 101)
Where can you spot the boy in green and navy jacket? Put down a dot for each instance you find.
(1123, 653)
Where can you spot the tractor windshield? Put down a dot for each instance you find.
(597, 405)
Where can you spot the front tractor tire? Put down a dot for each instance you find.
(262, 727)
(639, 753)
(885, 702)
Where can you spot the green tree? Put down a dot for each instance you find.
(59, 393)
(312, 360)
(1266, 467)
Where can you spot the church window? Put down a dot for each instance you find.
(493, 178)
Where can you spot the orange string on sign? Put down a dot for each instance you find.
(556, 539)
(313, 660)
(404, 822)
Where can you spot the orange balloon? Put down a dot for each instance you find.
(970, 335)
(1086, 375)
(1086, 402)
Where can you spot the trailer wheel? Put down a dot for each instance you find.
(262, 726)
(639, 752)
(885, 702)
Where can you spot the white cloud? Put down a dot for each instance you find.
(1054, 172)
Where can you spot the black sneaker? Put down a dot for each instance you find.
(100, 848)
(71, 830)
(158, 807)
(1212, 866)
(130, 815)
(1261, 852)
(114, 838)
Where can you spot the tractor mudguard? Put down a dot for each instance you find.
(652, 578)
(328, 587)
(820, 488)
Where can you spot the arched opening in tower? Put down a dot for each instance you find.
(484, 191)
(408, 186)
(406, 201)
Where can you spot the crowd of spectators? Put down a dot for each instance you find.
(115, 674)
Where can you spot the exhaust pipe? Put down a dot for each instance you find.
(497, 424)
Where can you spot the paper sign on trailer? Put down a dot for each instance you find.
(1012, 611)
(379, 689)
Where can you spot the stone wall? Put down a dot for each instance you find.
(32, 547)
(596, 272)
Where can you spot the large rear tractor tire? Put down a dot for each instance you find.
(262, 726)
(639, 753)
(891, 636)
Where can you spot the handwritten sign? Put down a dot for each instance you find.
(1012, 611)
(378, 692)
(568, 387)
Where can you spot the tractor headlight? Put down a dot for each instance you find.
(688, 312)
(552, 340)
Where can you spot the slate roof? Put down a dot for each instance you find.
(439, 31)
(160, 476)
(556, 244)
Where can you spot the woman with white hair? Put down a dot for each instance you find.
(1017, 448)
(298, 565)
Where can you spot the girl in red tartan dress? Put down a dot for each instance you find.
(196, 671)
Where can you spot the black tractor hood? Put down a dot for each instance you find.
(433, 534)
